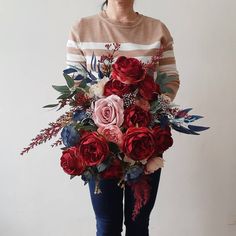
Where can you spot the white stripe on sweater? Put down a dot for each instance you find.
(74, 57)
(142, 58)
(169, 53)
(123, 46)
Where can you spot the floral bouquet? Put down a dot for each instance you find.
(118, 123)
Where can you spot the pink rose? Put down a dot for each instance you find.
(144, 104)
(108, 111)
(112, 133)
(153, 164)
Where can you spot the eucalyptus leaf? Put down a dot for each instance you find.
(100, 74)
(69, 70)
(197, 128)
(79, 77)
(182, 129)
(93, 62)
(89, 73)
(192, 118)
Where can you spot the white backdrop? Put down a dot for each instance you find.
(197, 189)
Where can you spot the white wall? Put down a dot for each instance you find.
(197, 190)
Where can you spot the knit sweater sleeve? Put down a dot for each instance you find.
(74, 53)
(167, 63)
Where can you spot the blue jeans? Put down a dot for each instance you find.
(108, 208)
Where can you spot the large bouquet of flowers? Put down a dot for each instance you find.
(119, 121)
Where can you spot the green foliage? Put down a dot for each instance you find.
(85, 127)
(61, 88)
(70, 81)
(113, 147)
(155, 106)
(72, 176)
(64, 96)
(162, 80)
(50, 105)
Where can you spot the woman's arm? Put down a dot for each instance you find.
(74, 54)
(167, 63)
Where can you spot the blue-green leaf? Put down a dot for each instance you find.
(69, 70)
(197, 128)
(192, 118)
(182, 129)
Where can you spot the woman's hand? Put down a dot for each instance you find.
(153, 164)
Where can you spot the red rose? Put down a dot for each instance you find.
(93, 149)
(116, 87)
(162, 138)
(128, 70)
(113, 171)
(148, 89)
(134, 115)
(71, 163)
(138, 143)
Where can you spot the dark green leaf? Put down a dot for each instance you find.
(64, 96)
(85, 127)
(166, 90)
(70, 82)
(50, 105)
(101, 167)
(113, 147)
(61, 89)
(83, 83)
(72, 176)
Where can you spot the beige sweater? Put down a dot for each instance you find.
(139, 38)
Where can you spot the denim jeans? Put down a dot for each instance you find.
(108, 208)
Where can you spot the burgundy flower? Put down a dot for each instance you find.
(148, 89)
(128, 70)
(114, 86)
(113, 171)
(139, 143)
(135, 115)
(71, 163)
(93, 149)
(162, 138)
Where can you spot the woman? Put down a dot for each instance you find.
(139, 37)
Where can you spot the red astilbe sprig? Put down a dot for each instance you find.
(57, 143)
(151, 65)
(111, 52)
(142, 191)
(107, 59)
(50, 132)
(45, 135)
